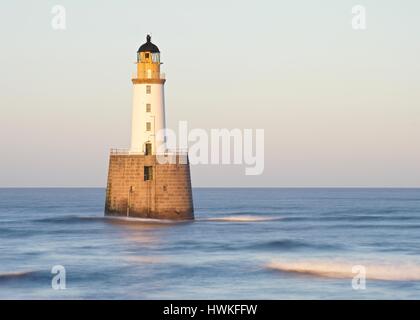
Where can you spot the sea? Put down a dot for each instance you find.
(245, 243)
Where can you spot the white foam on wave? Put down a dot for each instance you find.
(242, 219)
(343, 270)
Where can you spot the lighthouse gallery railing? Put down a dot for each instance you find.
(126, 152)
(147, 75)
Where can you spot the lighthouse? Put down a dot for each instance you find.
(139, 183)
(148, 101)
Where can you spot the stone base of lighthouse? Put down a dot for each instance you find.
(140, 186)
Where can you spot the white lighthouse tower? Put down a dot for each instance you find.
(148, 118)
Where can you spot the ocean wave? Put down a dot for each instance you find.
(245, 211)
(145, 220)
(242, 218)
(294, 244)
(144, 259)
(354, 218)
(343, 270)
(78, 219)
(15, 275)
(68, 219)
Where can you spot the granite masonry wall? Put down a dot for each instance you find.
(168, 195)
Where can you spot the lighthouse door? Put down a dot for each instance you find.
(148, 149)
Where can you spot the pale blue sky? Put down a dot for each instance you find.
(339, 107)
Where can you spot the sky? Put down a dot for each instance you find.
(339, 107)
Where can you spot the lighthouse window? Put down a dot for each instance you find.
(146, 55)
(148, 126)
(148, 149)
(148, 173)
(148, 107)
(148, 89)
(155, 57)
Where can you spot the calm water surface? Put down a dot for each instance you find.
(244, 244)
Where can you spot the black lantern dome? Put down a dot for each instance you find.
(148, 46)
